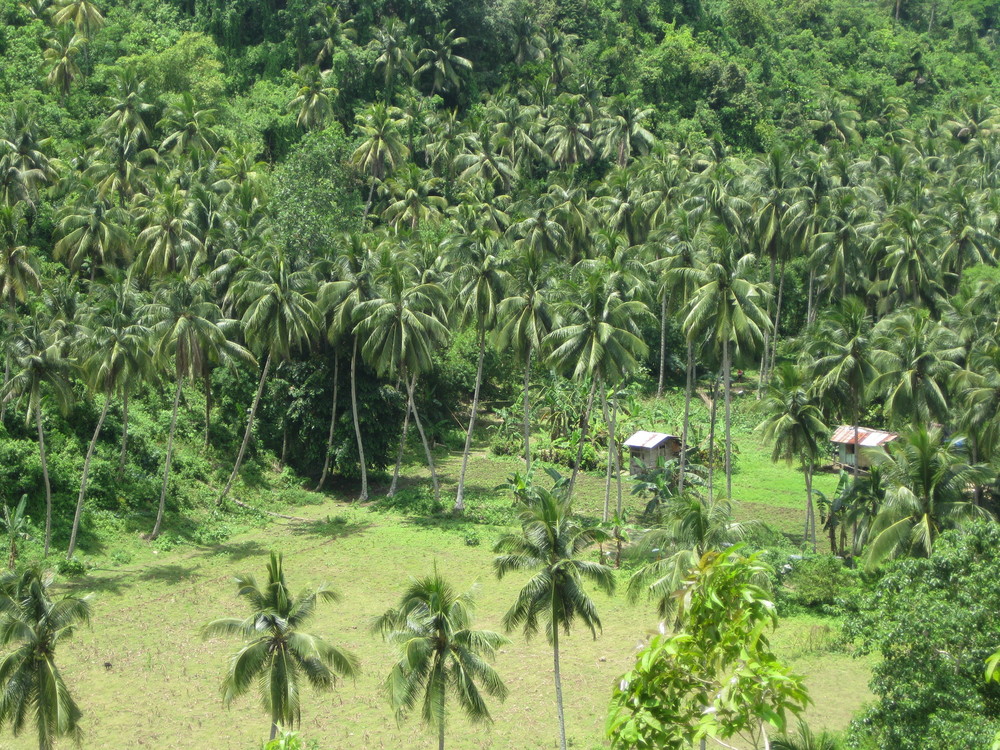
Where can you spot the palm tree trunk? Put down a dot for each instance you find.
(207, 379)
(249, 431)
(711, 439)
(45, 478)
(687, 417)
(607, 478)
(357, 423)
(402, 442)
(460, 496)
(726, 384)
(583, 437)
(857, 453)
(121, 457)
(809, 502)
(170, 455)
(777, 319)
(527, 412)
(810, 309)
(558, 679)
(284, 444)
(83, 480)
(423, 439)
(618, 468)
(274, 730)
(663, 345)
(333, 422)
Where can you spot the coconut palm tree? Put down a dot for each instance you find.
(598, 339)
(278, 654)
(550, 543)
(382, 147)
(188, 329)
(130, 107)
(725, 309)
(395, 54)
(526, 316)
(439, 653)
(794, 424)
(622, 132)
(442, 62)
(114, 354)
(927, 479)
(83, 14)
(333, 33)
(32, 626)
(169, 241)
(40, 370)
(189, 130)
(93, 233)
(480, 280)
(399, 329)
(18, 275)
(356, 269)
(64, 47)
(279, 317)
(314, 98)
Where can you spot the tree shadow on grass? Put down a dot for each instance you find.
(235, 551)
(171, 574)
(329, 528)
(112, 584)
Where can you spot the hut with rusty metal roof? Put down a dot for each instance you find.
(647, 448)
(851, 449)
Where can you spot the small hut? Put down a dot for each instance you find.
(848, 452)
(647, 448)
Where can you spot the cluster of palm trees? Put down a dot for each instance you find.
(441, 656)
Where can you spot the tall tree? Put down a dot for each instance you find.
(18, 276)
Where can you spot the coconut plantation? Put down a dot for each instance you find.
(500, 374)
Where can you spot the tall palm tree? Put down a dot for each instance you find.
(189, 130)
(916, 357)
(354, 283)
(382, 147)
(399, 329)
(278, 653)
(439, 653)
(93, 233)
(64, 47)
(794, 424)
(279, 317)
(442, 62)
(480, 280)
(526, 317)
(83, 14)
(927, 479)
(395, 54)
(188, 328)
(623, 131)
(130, 107)
(550, 542)
(598, 339)
(314, 98)
(41, 369)
(726, 310)
(333, 33)
(18, 275)
(32, 626)
(169, 241)
(115, 354)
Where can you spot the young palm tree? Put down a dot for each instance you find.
(32, 625)
(726, 309)
(794, 424)
(550, 543)
(439, 653)
(189, 329)
(927, 479)
(480, 280)
(40, 369)
(526, 317)
(598, 339)
(15, 528)
(278, 654)
(279, 317)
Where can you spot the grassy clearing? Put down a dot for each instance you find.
(161, 689)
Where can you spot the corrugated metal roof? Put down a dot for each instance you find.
(867, 437)
(644, 439)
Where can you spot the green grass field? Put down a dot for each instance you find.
(161, 689)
